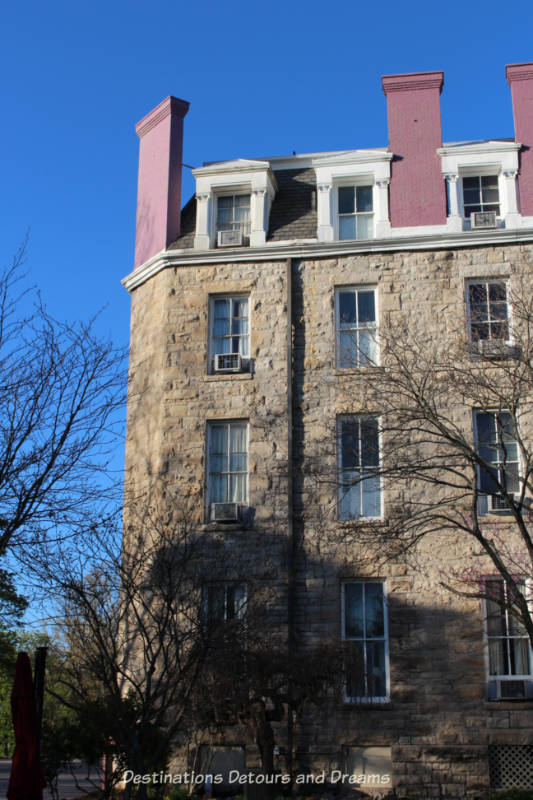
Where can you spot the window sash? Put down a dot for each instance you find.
(365, 626)
(228, 462)
(355, 212)
(230, 325)
(356, 327)
(509, 653)
(233, 213)
(481, 193)
(488, 310)
(497, 446)
(223, 602)
(359, 483)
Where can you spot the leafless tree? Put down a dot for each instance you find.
(61, 388)
(447, 428)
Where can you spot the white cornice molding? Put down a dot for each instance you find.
(279, 251)
(477, 148)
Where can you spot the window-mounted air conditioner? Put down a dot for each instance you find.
(495, 348)
(225, 512)
(519, 689)
(483, 219)
(230, 239)
(228, 362)
(498, 502)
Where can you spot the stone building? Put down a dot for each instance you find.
(255, 325)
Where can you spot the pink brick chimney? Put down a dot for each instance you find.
(417, 190)
(159, 185)
(520, 79)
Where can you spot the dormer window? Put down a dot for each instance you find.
(481, 193)
(233, 201)
(233, 215)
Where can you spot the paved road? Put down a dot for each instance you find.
(67, 784)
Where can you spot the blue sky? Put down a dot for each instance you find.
(262, 79)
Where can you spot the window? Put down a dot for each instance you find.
(508, 646)
(227, 462)
(355, 314)
(359, 493)
(488, 310)
(229, 326)
(364, 625)
(233, 213)
(480, 193)
(223, 602)
(497, 445)
(355, 212)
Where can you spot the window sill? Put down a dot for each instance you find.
(230, 376)
(368, 703)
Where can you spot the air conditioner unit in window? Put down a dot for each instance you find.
(496, 348)
(230, 239)
(225, 512)
(483, 219)
(498, 502)
(518, 689)
(228, 362)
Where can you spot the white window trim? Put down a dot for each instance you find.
(233, 177)
(483, 499)
(486, 279)
(210, 345)
(209, 426)
(488, 676)
(385, 698)
(460, 161)
(362, 180)
(355, 168)
(340, 418)
(356, 288)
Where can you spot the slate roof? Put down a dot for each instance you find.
(293, 213)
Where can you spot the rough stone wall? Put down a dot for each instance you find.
(437, 722)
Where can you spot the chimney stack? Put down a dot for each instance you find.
(417, 191)
(159, 185)
(520, 79)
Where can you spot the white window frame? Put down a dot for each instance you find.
(227, 423)
(225, 585)
(365, 326)
(366, 181)
(237, 192)
(488, 280)
(211, 348)
(495, 173)
(483, 498)
(342, 491)
(507, 637)
(385, 638)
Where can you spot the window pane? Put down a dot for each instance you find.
(346, 200)
(480, 331)
(355, 670)
(497, 292)
(471, 183)
(369, 442)
(218, 488)
(371, 496)
(375, 669)
(219, 439)
(364, 226)
(348, 349)
(364, 198)
(349, 444)
(222, 308)
(237, 462)
(346, 227)
(374, 609)
(238, 438)
(221, 327)
(350, 496)
(471, 196)
(366, 307)
(353, 610)
(240, 307)
(367, 348)
(347, 316)
(477, 293)
(237, 489)
(497, 657)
